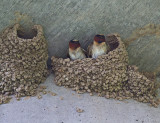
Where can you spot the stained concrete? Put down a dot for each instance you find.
(51, 109)
(64, 20)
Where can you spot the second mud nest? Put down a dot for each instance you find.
(23, 61)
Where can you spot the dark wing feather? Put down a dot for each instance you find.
(89, 50)
(68, 54)
(84, 52)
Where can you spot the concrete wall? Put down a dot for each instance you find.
(64, 20)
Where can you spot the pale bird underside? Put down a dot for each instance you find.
(96, 50)
(79, 53)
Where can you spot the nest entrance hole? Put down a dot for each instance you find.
(26, 33)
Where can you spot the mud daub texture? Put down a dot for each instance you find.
(23, 59)
(109, 75)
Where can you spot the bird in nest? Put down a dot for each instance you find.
(75, 50)
(98, 46)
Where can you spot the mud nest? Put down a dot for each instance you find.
(109, 75)
(23, 59)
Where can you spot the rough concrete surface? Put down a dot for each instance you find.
(52, 109)
(64, 20)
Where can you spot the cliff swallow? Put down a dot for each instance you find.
(98, 47)
(75, 50)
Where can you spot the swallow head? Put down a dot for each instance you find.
(99, 39)
(74, 44)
